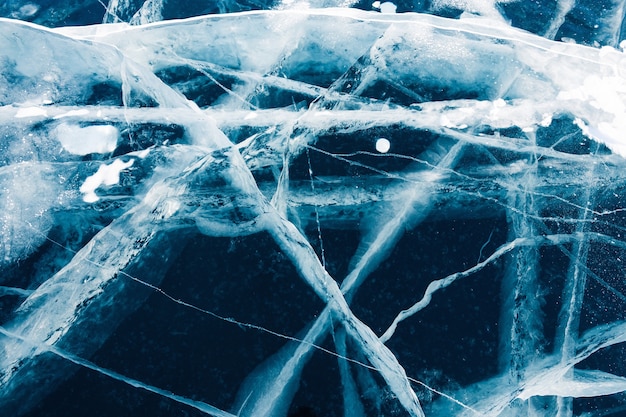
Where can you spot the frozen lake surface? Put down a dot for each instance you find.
(312, 208)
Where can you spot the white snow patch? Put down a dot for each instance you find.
(388, 7)
(79, 140)
(30, 112)
(106, 175)
(546, 121)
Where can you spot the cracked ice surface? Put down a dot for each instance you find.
(312, 212)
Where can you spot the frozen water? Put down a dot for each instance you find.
(312, 211)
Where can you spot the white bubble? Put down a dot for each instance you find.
(383, 145)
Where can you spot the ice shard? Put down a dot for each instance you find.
(323, 208)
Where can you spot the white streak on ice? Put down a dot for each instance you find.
(72, 113)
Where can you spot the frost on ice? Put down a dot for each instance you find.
(305, 211)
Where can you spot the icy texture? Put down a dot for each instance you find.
(589, 22)
(312, 212)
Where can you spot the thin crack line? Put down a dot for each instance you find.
(233, 321)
